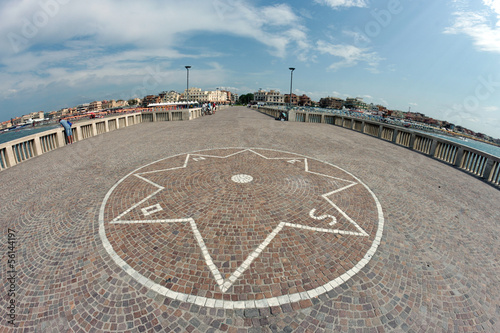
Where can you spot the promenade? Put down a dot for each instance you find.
(236, 222)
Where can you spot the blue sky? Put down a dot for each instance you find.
(441, 58)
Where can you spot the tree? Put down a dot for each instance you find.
(246, 99)
(132, 102)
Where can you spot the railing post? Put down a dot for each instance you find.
(395, 136)
(380, 130)
(291, 115)
(487, 169)
(412, 140)
(9, 156)
(459, 156)
(37, 147)
(78, 131)
(362, 126)
(433, 147)
(94, 128)
(61, 142)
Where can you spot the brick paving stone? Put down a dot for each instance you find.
(436, 268)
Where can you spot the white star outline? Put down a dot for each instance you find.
(224, 285)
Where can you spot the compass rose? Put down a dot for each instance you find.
(240, 228)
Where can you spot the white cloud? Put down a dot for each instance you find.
(99, 41)
(493, 4)
(343, 3)
(349, 55)
(161, 23)
(478, 25)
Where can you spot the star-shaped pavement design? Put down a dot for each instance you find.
(239, 207)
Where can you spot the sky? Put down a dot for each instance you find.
(440, 58)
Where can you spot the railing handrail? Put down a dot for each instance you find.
(473, 161)
(19, 150)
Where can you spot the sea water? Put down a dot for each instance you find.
(484, 147)
(25, 131)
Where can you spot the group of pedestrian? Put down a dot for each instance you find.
(208, 108)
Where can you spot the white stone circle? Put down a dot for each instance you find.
(242, 179)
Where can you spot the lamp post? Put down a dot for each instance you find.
(187, 89)
(291, 80)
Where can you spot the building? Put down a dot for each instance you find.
(206, 96)
(82, 108)
(295, 99)
(305, 100)
(95, 106)
(150, 99)
(37, 115)
(108, 104)
(113, 104)
(235, 98)
(355, 104)
(121, 103)
(271, 97)
(382, 109)
(169, 96)
(331, 103)
(228, 96)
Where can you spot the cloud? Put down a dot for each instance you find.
(74, 43)
(479, 26)
(343, 3)
(349, 55)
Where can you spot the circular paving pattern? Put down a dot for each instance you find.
(240, 228)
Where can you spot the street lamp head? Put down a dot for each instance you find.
(291, 68)
(188, 67)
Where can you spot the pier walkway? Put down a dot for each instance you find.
(236, 222)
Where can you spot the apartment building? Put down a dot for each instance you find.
(272, 97)
(150, 99)
(205, 96)
(355, 104)
(95, 106)
(294, 100)
(305, 100)
(331, 103)
(170, 96)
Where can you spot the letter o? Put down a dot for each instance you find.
(13, 310)
(471, 103)
(372, 29)
(40, 19)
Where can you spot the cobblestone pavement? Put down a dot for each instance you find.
(236, 222)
